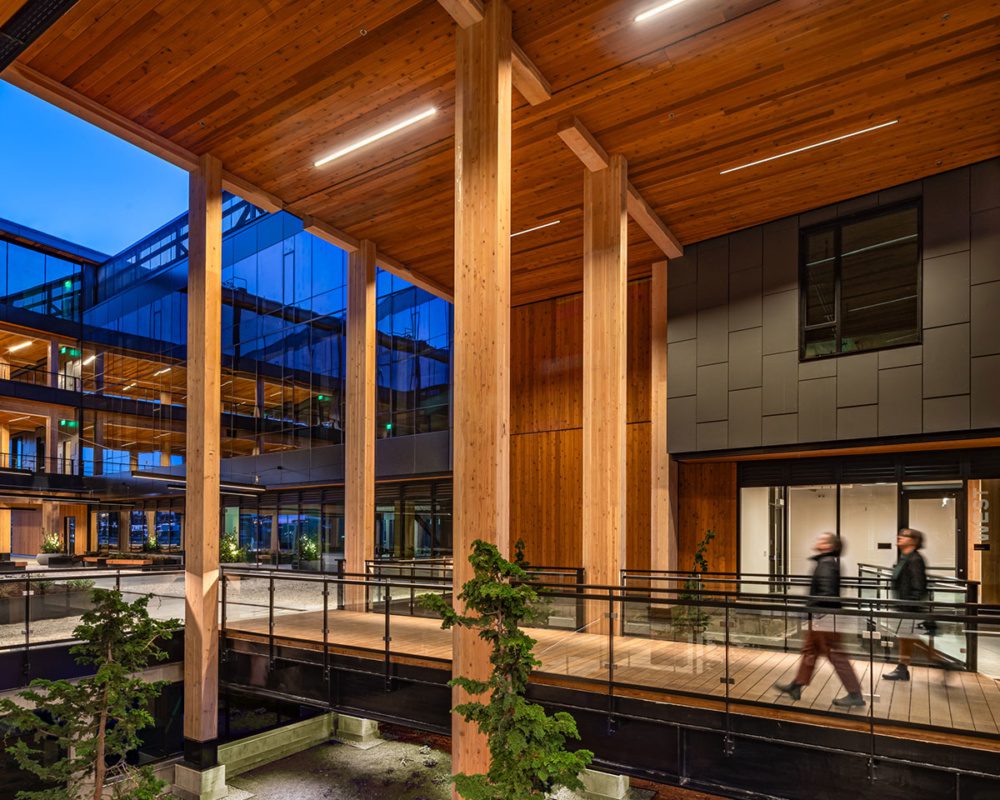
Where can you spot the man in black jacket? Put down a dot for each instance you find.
(822, 638)
(909, 583)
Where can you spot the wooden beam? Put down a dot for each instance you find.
(481, 444)
(201, 505)
(580, 141)
(594, 157)
(528, 79)
(8, 8)
(329, 233)
(605, 280)
(464, 12)
(663, 470)
(396, 268)
(653, 226)
(359, 472)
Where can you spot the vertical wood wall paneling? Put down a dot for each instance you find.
(663, 476)
(707, 501)
(359, 484)
(605, 396)
(481, 449)
(201, 579)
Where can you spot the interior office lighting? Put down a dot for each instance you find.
(20, 346)
(406, 123)
(810, 146)
(21, 419)
(163, 371)
(130, 386)
(89, 360)
(652, 12)
(536, 228)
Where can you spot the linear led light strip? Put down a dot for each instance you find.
(810, 147)
(536, 228)
(657, 10)
(20, 346)
(430, 112)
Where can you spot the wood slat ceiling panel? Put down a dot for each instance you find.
(269, 87)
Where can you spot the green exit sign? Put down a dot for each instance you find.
(322, 397)
(388, 426)
(72, 352)
(68, 423)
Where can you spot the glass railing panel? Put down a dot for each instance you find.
(12, 611)
(247, 602)
(57, 604)
(166, 591)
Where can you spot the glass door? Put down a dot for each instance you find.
(939, 513)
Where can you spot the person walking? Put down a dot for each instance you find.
(909, 583)
(822, 638)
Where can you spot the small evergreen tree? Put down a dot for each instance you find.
(96, 720)
(690, 618)
(528, 758)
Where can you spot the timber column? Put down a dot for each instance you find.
(605, 275)
(481, 448)
(201, 776)
(663, 469)
(359, 483)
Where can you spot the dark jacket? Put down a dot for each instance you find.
(909, 580)
(825, 581)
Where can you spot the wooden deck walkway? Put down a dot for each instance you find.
(966, 703)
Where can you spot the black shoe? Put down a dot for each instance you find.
(901, 673)
(853, 700)
(792, 689)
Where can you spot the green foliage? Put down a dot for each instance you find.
(519, 558)
(52, 542)
(308, 548)
(98, 716)
(528, 757)
(691, 619)
(230, 551)
(79, 585)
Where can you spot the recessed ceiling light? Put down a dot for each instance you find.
(20, 346)
(89, 360)
(163, 371)
(810, 147)
(657, 10)
(536, 228)
(430, 112)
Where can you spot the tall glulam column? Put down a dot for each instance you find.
(605, 274)
(663, 469)
(359, 485)
(482, 326)
(201, 507)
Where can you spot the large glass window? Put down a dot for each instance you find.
(860, 283)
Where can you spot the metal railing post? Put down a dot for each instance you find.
(580, 621)
(326, 634)
(611, 662)
(224, 656)
(728, 745)
(270, 623)
(26, 664)
(387, 638)
(972, 628)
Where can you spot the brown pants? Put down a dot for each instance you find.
(824, 643)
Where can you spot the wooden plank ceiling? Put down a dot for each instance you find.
(269, 87)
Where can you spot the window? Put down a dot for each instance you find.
(860, 280)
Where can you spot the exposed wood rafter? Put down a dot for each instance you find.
(79, 105)
(594, 157)
(528, 79)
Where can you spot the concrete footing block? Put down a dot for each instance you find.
(194, 784)
(357, 732)
(603, 786)
(263, 748)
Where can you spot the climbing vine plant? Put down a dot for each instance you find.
(528, 755)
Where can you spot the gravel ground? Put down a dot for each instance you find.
(408, 765)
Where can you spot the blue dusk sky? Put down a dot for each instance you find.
(67, 178)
